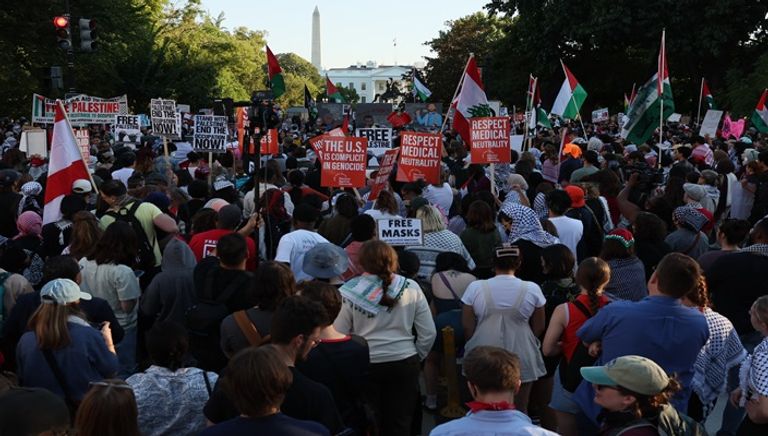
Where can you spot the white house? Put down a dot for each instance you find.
(369, 79)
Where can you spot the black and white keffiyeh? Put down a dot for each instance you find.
(753, 377)
(526, 226)
(761, 249)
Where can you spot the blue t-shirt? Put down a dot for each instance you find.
(273, 424)
(657, 327)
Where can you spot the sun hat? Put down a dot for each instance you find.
(635, 373)
(325, 261)
(62, 291)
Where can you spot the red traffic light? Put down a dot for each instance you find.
(60, 22)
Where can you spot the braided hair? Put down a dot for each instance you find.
(699, 295)
(592, 276)
(379, 258)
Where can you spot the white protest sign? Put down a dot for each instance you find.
(33, 142)
(163, 114)
(379, 138)
(400, 231)
(710, 123)
(674, 118)
(183, 108)
(516, 142)
(127, 128)
(210, 133)
(600, 115)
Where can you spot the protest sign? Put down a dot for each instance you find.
(379, 138)
(144, 120)
(317, 142)
(675, 118)
(33, 142)
(420, 155)
(710, 123)
(183, 108)
(210, 133)
(516, 142)
(83, 142)
(163, 114)
(600, 115)
(489, 139)
(269, 142)
(81, 109)
(343, 162)
(127, 128)
(382, 177)
(400, 231)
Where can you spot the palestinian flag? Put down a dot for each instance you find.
(276, 81)
(332, 92)
(707, 95)
(471, 101)
(310, 104)
(539, 116)
(644, 112)
(419, 89)
(570, 98)
(760, 115)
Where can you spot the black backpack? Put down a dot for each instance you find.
(204, 317)
(570, 371)
(146, 256)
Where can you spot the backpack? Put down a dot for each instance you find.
(670, 422)
(570, 371)
(146, 256)
(204, 317)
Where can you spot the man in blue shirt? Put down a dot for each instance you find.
(430, 120)
(658, 327)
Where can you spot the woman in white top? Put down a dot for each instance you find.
(507, 312)
(384, 308)
(384, 207)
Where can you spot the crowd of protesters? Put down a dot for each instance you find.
(593, 287)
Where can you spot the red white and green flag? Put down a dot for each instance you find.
(332, 91)
(538, 116)
(471, 101)
(275, 73)
(760, 115)
(707, 94)
(570, 98)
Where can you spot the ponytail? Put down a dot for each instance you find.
(593, 274)
(380, 259)
(386, 300)
(699, 295)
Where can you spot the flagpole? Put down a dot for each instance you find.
(660, 89)
(455, 93)
(578, 110)
(82, 158)
(528, 102)
(701, 92)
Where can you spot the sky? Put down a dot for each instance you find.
(351, 31)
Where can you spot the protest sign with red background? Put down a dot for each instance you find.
(84, 142)
(489, 140)
(269, 142)
(387, 162)
(419, 157)
(343, 162)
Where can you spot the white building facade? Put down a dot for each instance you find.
(369, 79)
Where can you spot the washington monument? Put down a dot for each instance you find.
(316, 59)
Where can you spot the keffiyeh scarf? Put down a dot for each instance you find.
(526, 226)
(753, 377)
(364, 293)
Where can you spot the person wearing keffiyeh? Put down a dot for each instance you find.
(753, 377)
(688, 238)
(30, 192)
(519, 225)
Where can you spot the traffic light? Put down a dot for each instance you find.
(63, 37)
(87, 34)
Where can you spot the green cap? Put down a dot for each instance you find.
(635, 373)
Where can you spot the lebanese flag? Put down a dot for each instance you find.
(65, 165)
(471, 101)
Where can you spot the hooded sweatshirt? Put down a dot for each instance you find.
(172, 291)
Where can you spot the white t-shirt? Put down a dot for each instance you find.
(292, 248)
(505, 290)
(123, 174)
(569, 231)
(441, 196)
(379, 215)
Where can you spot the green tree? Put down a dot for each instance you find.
(298, 72)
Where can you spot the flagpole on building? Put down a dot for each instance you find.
(578, 110)
(701, 92)
(82, 158)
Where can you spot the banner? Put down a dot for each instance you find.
(127, 128)
(81, 109)
(382, 177)
(379, 138)
(84, 142)
(210, 133)
(489, 139)
(269, 142)
(163, 115)
(420, 155)
(400, 231)
(343, 162)
(710, 122)
(600, 115)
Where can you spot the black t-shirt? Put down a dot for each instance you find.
(306, 400)
(278, 424)
(56, 237)
(211, 287)
(530, 269)
(735, 281)
(9, 205)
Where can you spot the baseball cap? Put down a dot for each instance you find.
(81, 186)
(325, 261)
(576, 194)
(636, 373)
(694, 191)
(62, 291)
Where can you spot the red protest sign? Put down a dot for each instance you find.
(343, 162)
(419, 157)
(489, 138)
(84, 142)
(269, 144)
(382, 177)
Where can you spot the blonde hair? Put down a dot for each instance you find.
(49, 322)
(431, 219)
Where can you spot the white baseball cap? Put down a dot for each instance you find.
(81, 186)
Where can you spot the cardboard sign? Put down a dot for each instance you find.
(600, 115)
(516, 142)
(710, 122)
(210, 133)
(419, 157)
(400, 231)
(163, 115)
(379, 138)
(385, 169)
(127, 128)
(269, 142)
(81, 109)
(83, 141)
(675, 118)
(33, 142)
(343, 162)
(489, 138)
